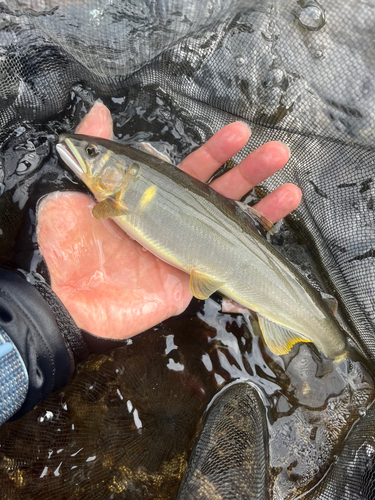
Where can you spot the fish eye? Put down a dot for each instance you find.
(92, 150)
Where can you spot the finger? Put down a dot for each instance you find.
(98, 122)
(204, 162)
(280, 202)
(260, 164)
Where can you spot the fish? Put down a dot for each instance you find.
(216, 240)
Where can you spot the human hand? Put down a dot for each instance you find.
(108, 283)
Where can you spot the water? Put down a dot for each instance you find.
(312, 16)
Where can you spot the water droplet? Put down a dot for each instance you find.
(95, 16)
(319, 54)
(312, 16)
(240, 60)
(276, 78)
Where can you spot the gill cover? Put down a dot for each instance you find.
(115, 206)
(94, 162)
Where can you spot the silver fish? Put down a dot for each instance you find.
(215, 239)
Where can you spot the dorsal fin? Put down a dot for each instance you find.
(257, 216)
(147, 148)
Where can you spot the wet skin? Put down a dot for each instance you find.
(108, 283)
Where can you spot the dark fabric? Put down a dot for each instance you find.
(44, 333)
(230, 457)
(100, 345)
(67, 327)
(30, 323)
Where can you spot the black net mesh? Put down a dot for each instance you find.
(174, 72)
(121, 429)
(229, 458)
(353, 474)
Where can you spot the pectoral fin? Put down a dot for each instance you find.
(257, 216)
(278, 338)
(202, 286)
(108, 208)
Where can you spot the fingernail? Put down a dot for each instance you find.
(287, 147)
(247, 126)
(42, 202)
(97, 103)
(40, 205)
(97, 122)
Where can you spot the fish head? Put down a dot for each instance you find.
(95, 162)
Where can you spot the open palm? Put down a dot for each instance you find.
(110, 285)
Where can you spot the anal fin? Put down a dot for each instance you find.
(278, 338)
(202, 285)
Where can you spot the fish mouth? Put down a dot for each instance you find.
(71, 157)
